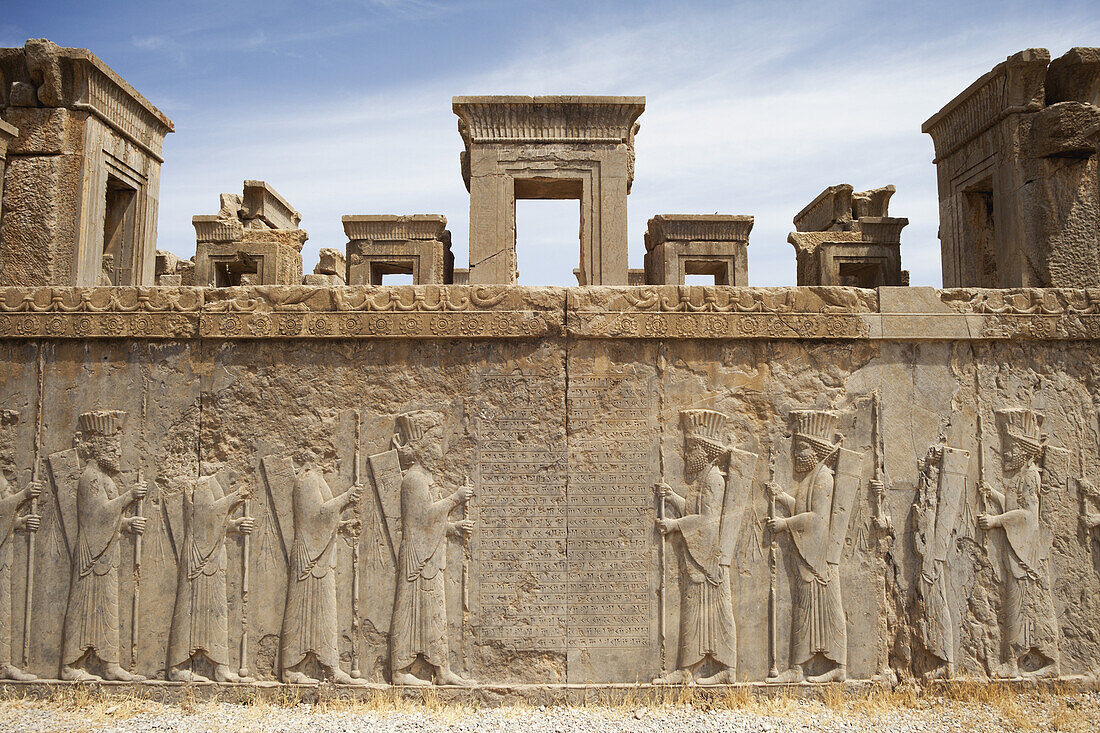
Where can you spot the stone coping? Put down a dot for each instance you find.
(698, 228)
(579, 119)
(498, 694)
(393, 226)
(517, 312)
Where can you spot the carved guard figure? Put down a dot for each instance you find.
(419, 623)
(309, 628)
(818, 524)
(1030, 626)
(200, 618)
(709, 519)
(91, 617)
(11, 502)
(940, 490)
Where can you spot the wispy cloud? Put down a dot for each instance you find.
(747, 113)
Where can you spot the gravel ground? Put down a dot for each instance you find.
(1079, 712)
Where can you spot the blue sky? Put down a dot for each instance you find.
(752, 108)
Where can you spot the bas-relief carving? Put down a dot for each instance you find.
(12, 523)
(708, 519)
(309, 634)
(200, 618)
(93, 515)
(1020, 547)
(826, 478)
(941, 485)
(418, 630)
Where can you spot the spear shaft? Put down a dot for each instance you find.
(28, 601)
(355, 669)
(139, 508)
(773, 580)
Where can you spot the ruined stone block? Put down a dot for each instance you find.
(85, 190)
(1016, 162)
(846, 237)
(678, 245)
(239, 245)
(386, 244)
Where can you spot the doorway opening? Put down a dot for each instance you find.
(119, 219)
(548, 235)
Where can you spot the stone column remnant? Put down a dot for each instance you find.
(387, 244)
(83, 173)
(548, 148)
(1017, 165)
(254, 239)
(847, 238)
(678, 245)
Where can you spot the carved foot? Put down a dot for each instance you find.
(725, 677)
(943, 672)
(73, 674)
(222, 673)
(789, 676)
(678, 677)
(298, 678)
(11, 672)
(838, 673)
(1048, 671)
(118, 674)
(447, 677)
(341, 677)
(178, 674)
(405, 678)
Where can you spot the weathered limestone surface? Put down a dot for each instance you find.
(562, 147)
(1016, 159)
(507, 442)
(83, 173)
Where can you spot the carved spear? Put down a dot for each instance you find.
(139, 508)
(356, 672)
(773, 580)
(28, 602)
(662, 553)
(246, 554)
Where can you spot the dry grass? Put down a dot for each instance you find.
(974, 705)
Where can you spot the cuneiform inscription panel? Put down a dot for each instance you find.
(521, 549)
(610, 511)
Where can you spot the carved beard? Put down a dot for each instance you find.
(696, 462)
(805, 463)
(1015, 460)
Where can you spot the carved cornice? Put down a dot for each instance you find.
(1014, 85)
(579, 119)
(698, 228)
(511, 312)
(373, 227)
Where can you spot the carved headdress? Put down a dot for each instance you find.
(1023, 426)
(817, 427)
(101, 422)
(706, 426)
(413, 425)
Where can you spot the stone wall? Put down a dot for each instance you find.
(561, 408)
